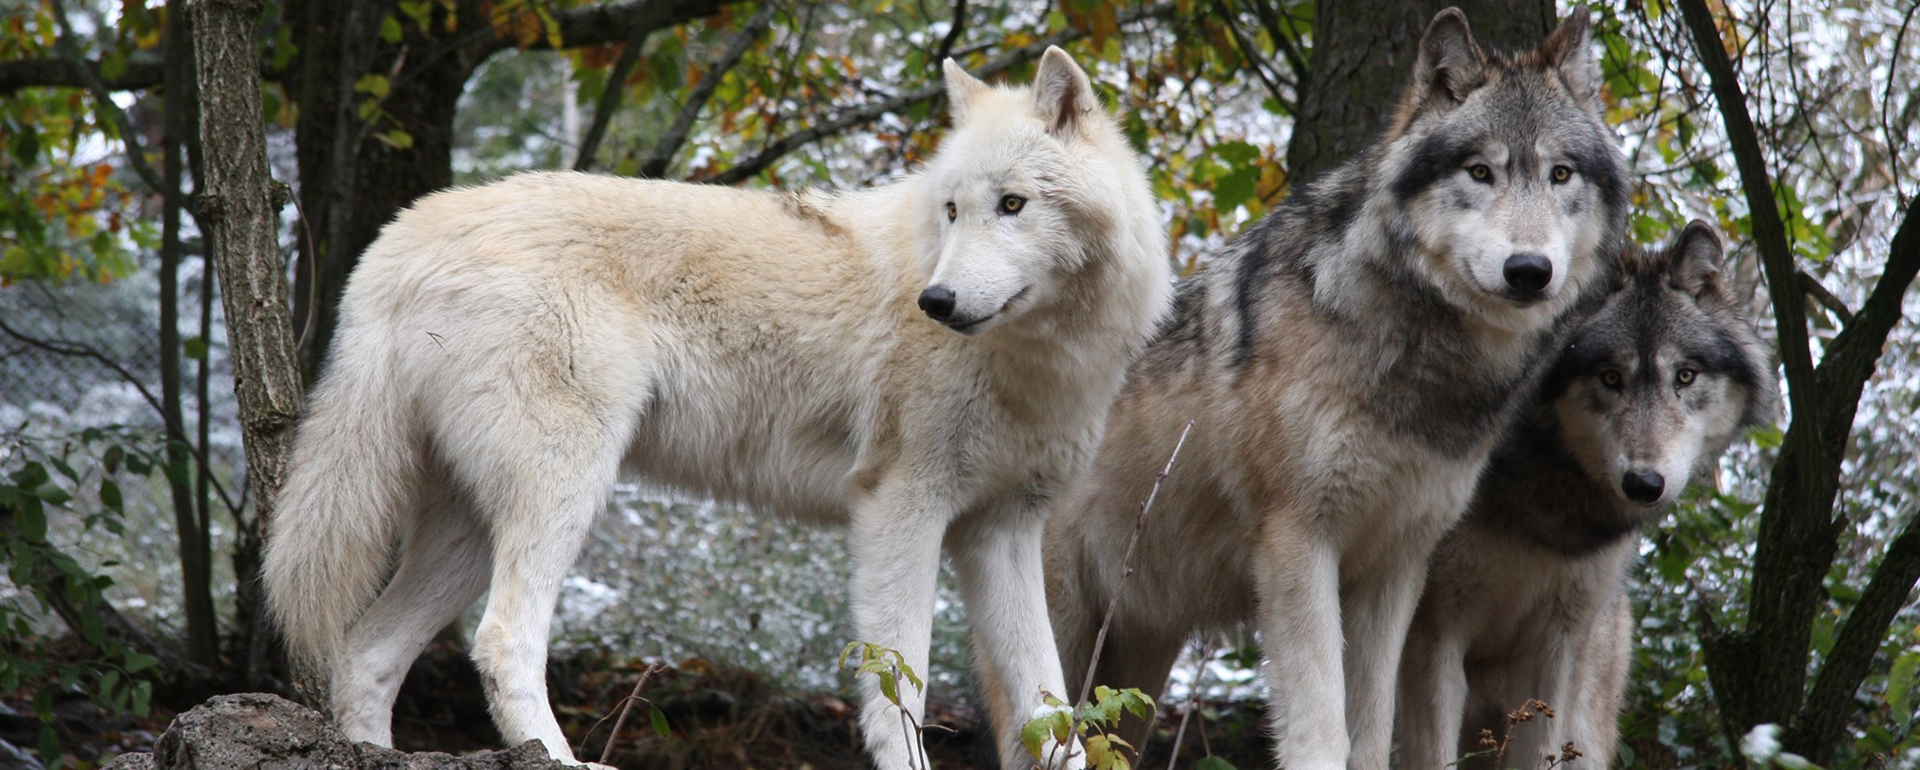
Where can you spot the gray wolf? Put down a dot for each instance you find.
(925, 363)
(1350, 362)
(1526, 598)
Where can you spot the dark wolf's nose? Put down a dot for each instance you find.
(1642, 486)
(937, 301)
(1528, 273)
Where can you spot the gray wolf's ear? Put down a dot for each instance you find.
(1062, 95)
(961, 88)
(1566, 50)
(1695, 264)
(1450, 64)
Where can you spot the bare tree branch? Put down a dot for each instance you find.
(1830, 702)
(872, 111)
(1825, 297)
(661, 156)
(610, 97)
(144, 69)
(614, 22)
(1260, 65)
(954, 30)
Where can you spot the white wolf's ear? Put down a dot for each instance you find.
(1567, 50)
(1450, 64)
(1062, 95)
(961, 88)
(1695, 262)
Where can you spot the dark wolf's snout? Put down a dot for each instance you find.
(1528, 273)
(937, 302)
(1642, 487)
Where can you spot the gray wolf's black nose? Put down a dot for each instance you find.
(1528, 273)
(1642, 486)
(937, 301)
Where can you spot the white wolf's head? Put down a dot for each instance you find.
(1653, 385)
(1509, 180)
(1016, 192)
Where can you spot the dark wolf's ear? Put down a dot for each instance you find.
(1450, 64)
(1694, 265)
(1062, 95)
(961, 88)
(1566, 50)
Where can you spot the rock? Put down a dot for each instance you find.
(255, 731)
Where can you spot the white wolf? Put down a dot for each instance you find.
(926, 363)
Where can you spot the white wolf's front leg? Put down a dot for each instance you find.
(1298, 579)
(895, 540)
(1376, 614)
(1000, 569)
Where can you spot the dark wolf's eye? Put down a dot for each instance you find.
(1561, 174)
(1012, 204)
(1480, 172)
(1684, 377)
(952, 211)
(1611, 379)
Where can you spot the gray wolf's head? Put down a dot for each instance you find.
(1021, 190)
(1656, 383)
(1509, 182)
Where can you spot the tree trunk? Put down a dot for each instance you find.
(237, 205)
(1362, 55)
(190, 521)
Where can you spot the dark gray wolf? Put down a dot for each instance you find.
(1350, 362)
(1526, 598)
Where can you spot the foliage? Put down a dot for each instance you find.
(1055, 725)
(39, 484)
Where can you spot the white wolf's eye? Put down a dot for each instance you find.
(1684, 377)
(1480, 172)
(952, 211)
(1611, 379)
(1561, 174)
(1012, 204)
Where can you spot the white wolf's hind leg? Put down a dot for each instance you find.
(539, 495)
(443, 569)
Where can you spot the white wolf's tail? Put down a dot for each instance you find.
(353, 468)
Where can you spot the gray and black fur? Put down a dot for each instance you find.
(1349, 363)
(1526, 597)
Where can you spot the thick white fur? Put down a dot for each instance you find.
(506, 351)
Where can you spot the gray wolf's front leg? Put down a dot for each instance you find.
(1376, 616)
(1298, 579)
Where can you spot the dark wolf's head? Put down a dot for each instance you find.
(1655, 384)
(1507, 180)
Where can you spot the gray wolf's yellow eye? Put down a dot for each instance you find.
(1684, 377)
(1012, 204)
(1480, 172)
(952, 211)
(1611, 379)
(1561, 174)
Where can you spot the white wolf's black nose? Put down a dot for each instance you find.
(937, 301)
(1642, 486)
(1528, 273)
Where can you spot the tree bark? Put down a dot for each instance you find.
(1362, 55)
(237, 205)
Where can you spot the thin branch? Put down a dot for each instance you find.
(1286, 42)
(1830, 702)
(954, 31)
(1259, 63)
(1193, 705)
(872, 111)
(626, 707)
(103, 100)
(611, 22)
(610, 97)
(1126, 570)
(661, 156)
(144, 69)
(1825, 297)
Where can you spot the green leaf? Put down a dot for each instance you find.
(138, 662)
(30, 520)
(49, 743)
(1034, 736)
(1214, 763)
(195, 347)
(659, 720)
(390, 30)
(1900, 685)
(375, 85)
(1099, 752)
(108, 681)
(397, 139)
(110, 495)
(142, 698)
